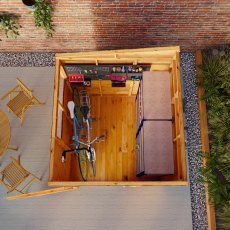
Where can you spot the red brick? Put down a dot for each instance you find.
(103, 24)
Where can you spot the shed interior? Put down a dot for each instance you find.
(142, 118)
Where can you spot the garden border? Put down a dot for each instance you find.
(204, 141)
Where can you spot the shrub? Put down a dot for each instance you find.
(214, 77)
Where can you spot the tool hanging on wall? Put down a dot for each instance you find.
(79, 79)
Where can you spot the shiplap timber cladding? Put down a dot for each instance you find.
(91, 208)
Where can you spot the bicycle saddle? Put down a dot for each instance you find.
(71, 108)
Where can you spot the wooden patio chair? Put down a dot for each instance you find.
(13, 175)
(21, 101)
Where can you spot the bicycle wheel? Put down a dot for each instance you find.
(83, 164)
(77, 112)
(92, 163)
(93, 168)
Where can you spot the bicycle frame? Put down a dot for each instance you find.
(88, 144)
(89, 150)
(77, 142)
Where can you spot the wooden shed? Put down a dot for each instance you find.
(142, 118)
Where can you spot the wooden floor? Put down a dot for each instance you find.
(116, 118)
(90, 208)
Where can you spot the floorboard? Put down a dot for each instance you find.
(115, 117)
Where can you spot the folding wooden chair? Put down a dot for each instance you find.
(22, 101)
(13, 175)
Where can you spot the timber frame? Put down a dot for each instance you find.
(160, 59)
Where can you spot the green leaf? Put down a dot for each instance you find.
(9, 25)
(43, 16)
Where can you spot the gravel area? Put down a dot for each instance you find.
(193, 140)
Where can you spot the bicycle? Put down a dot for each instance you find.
(80, 114)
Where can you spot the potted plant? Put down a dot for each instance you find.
(9, 25)
(29, 3)
(41, 11)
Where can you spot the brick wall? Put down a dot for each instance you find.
(116, 24)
